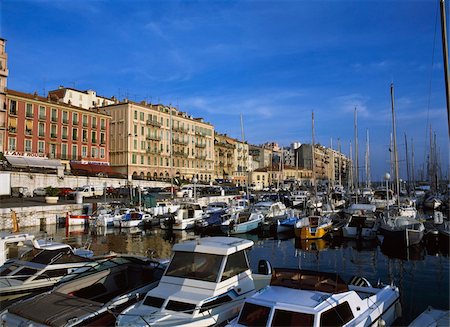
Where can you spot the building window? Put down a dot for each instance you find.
(135, 115)
(13, 107)
(42, 113)
(102, 153)
(65, 117)
(142, 160)
(102, 124)
(74, 152)
(54, 116)
(84, 151)
(64, 151)
(53, 151)
(64, 132)
(84, 133)
(41, 129)
(94, 122)
(102, 138)
(94, 152)
(75, 118)
(41, 146)
(29, 111)
(133, 158)
(135, 130)
(12, 144)
(135, 144)
(74, 134)
(94, 137)
(142, 116)
(85, 121)
(53, 131)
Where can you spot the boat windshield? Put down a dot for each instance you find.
(258, 315)
(195, 265)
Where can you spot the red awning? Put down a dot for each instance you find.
(93, 169)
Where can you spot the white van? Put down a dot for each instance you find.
(88, 191)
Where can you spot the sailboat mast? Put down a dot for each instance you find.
(339, 162)
(350, 179)
(397, 181)
(412, 166)
(445, 55)
(312, 156)
(356, 150)
(407, 164)
(368, 177)
(243, 141)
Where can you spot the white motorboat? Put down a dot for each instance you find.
(299, 198)
(361, 227)
(205, 284)
(91, 295)
(405, 231)
(432, 202)
(184, 218)
(382, 199)
(133, 218)
(272, 211)
(39, 269)
(307, 298)
(432, 318)
(361, 222)
(241, 222)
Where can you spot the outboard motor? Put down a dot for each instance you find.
(264, 267)
(438, 217)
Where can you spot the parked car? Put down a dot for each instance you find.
(20, 192)
(64, 191)
(40, 191)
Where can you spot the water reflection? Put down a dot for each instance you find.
(421, 272)
(400, 251)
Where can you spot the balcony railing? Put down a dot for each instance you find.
(153, 137)
(64, 137)
(12, 129)
(29, 114)
(102, 127)
(53, 135)
(180, 142)
(154, 151)
(54, 119)
(94, 125)
(75, 122)
(201, 145)
(153, 123)
(42, 117)
(94, 140)
(13, 112)
(28, 132)
(65, 121)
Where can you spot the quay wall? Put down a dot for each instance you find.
(32, 216)
(35, 180)
(36, 215)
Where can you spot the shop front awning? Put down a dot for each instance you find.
(27, 162)
(93, 169)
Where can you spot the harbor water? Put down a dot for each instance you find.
(421, 272)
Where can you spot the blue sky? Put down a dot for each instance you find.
(273, 61)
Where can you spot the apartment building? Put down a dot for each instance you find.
(243, 162)
(83, 99)
(3, 81)
(154, 141)
(330, 165)
(39, 127)
(224, 154)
